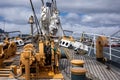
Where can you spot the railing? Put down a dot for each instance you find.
(111, 50)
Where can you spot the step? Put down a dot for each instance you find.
(4, 69)
(4, 72)
(4, 75)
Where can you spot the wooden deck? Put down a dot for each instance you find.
(96, 70)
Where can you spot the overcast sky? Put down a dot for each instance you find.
(93, 16)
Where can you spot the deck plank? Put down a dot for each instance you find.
(95, 68)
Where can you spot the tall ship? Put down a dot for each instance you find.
(48, 53)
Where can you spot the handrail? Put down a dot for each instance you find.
(111, 50)
(92, 34)
(112, 55)
(115, 50)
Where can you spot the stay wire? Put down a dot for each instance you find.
(36, 20)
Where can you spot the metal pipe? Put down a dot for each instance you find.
(27, 69)
(110, 48)
(31, 21)
(112, 55)
(94, 45)
(32, 32)
(115, 50)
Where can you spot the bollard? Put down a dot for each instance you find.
(78, 73)
(77, 63)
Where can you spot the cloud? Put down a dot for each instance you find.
(102, 19)
(102, 23)
(72, 16)
(77, 28)
(16, 15)
(19, 3)
(87, 18)
(93, 20)
(89, 6)
(90, 15)
(15, 27)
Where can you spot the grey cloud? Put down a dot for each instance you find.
(15, 27)
(102, 18)
(18, 11)
(96, 13)
(93, 20)
(93, 23)
(91, 6)
(19, 3)
(78, 28)
(16, 15)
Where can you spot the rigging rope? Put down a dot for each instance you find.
(42, 2)
(36, 20)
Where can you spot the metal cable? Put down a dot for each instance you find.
(36, 20)
(42, 2)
